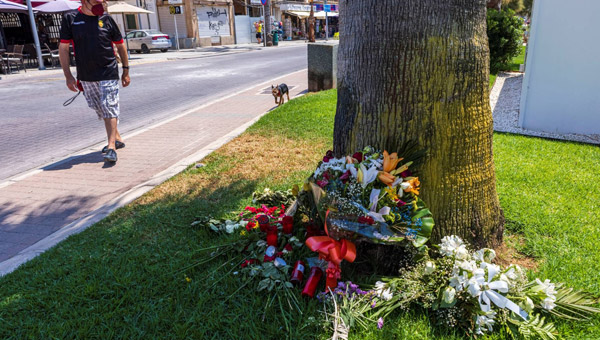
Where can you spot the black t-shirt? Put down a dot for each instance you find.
(92, 38)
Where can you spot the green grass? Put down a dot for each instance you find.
(512, 66)
(121, 278)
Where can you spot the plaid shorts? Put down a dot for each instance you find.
(103, 97)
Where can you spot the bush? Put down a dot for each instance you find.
(505, 35)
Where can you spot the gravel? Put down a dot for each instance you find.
(505, 100)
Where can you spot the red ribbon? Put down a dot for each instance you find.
(334, 252)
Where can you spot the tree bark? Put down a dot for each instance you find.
(418, 71)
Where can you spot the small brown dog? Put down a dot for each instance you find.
(278, 92)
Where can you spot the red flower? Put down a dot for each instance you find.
(366, 220)
(322, 183)
(250, 225)
(288, 247)
(358, 156)
(400, 203)
(406, 173)
(328, 156)
(345, 176)
(251, 209)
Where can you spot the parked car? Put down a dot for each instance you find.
(146, 40)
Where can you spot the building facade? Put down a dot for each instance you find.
(200, 23)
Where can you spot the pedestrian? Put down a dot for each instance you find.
(93, 34)
(259, 28)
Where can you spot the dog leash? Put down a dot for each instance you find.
(72, 99)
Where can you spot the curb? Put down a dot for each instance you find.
(129, 196)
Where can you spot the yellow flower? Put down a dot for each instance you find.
(392, 192)
(390, 161)
(243, 233)
(188, 280)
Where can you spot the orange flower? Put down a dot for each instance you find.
(386, 178)
(414, 185)
(390, 161)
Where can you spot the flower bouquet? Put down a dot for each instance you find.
(465, 289)
(370, 195)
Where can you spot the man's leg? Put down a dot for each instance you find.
(111, 132)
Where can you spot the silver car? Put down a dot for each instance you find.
(146, 40)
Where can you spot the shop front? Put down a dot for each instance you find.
(295, 20)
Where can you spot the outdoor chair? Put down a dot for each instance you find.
(14, 58)
(51, 54)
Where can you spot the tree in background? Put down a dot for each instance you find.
(419, 73)
(505, 34)
(516, 5)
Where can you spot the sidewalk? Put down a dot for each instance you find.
(43, 207)
(155, 57)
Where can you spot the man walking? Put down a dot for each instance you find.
(93, 34)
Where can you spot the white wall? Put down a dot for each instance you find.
(145, 20)
(561, 90)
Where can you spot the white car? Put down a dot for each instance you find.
(146, 40)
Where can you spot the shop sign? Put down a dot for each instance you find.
(174, 9)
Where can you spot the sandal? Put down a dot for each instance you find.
(118, 145)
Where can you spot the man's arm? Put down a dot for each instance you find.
(122, 50)
(65, 63)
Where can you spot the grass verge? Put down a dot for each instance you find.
(122, 277)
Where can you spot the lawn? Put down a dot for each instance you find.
(513, 66)
(123, 278)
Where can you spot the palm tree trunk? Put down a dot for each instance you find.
(418, 70)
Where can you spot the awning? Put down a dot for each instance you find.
(318, 15)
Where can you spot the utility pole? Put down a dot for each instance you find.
(267, 35)
(36, 39)
(326, 22)
(311, 23)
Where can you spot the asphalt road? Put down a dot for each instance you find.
(36, 129)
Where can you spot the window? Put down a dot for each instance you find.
(131, 21)
(130, 35)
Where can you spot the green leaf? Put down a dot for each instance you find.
(263, 284)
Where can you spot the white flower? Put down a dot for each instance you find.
(397, 181)
(406, 186)
(454, 246)
(469, 266)
(474, 286)
(548, 287)
(549, 303)
(459, 282)
(429, 267)
(382, 291)
(528, 305)
(352, 169)
(484, 323)
(462, 253)
(230, 226)
(368, 176)
(485, 254)
(449, 295)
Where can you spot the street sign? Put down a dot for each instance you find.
(175, 2)
(327, 8)
(174, 9)
(264, 2)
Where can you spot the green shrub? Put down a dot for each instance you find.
(505, 35)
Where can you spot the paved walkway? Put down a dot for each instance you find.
(43, 207)
(505, 100)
